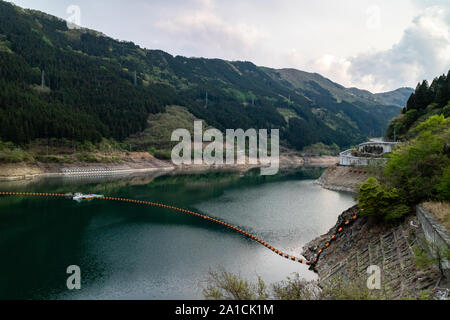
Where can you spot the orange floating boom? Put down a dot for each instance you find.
(287, 256)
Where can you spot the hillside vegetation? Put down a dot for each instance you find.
(96, 87)
(419, 169)
(156, 137)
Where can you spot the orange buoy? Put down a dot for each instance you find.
(340, 230)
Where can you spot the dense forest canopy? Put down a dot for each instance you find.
(80, 85)
(427, 100)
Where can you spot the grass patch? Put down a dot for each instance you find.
(159, 130)
(41, 89)
(87, 157)
(320, 149)
(9, 153)
(288, 113)
(441, 210)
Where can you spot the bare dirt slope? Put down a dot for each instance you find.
(342, 178)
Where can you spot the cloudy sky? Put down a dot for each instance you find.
(377, 45)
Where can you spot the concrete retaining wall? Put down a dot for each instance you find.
(434, 231)
(346, 158)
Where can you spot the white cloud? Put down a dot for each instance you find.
(205, 30)
(333, 67)
(370, 44)
(423, 52)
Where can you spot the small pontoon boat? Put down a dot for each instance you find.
(81, 197)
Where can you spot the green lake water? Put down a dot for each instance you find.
(128, 251)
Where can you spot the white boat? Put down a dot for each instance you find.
(80, 197)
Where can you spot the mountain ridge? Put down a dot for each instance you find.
(301, 78)
(97, 87)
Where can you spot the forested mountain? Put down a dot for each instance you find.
(396, 97)
(308, 82)
(80, 85)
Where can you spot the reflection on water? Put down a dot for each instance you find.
(133, 252)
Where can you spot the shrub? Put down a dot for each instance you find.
(224, 285)
(160, 154)
(380, 202)
(12, 154)
(296, 288)
(433, 124)
(342, 289)
(49, 159)
(87, 146)
(418, 168)
(86, 157)
(446, 110)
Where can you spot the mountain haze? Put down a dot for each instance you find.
(308, 82)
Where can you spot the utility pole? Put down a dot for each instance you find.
(43, 79)
(206, 100)
(395, 137)
(135, 79)
(73, 141)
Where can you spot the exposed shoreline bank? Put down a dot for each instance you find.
(140, 163)
(344, 179)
